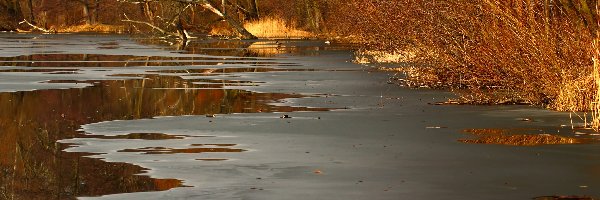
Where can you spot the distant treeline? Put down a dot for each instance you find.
(192, 15)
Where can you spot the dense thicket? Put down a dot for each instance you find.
(538, 51)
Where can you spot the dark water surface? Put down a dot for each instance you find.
(117, 117)
(34, 165)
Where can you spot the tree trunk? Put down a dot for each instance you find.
(253, 8)
(231, 21)
(223, 7)
(96, 11)
(312, 15)
(148, 12)
(86, 12)
(239, 28)
(31, 13)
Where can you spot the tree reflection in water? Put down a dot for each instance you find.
(33, 165)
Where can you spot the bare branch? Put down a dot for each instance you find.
(207, 5)
(35, 27)
(152, 26)
(210, 7)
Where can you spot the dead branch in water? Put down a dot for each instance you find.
(36, 27)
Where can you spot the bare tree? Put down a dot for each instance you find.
(86, 11)
(31, 13)
(177, 8)
(249, 9)
(253, 8)
(235, 24)
(310, 13)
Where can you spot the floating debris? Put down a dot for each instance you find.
(435, 127)
(285, 117)
(211, 159)
(526, 119)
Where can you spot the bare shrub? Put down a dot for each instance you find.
(535, 51)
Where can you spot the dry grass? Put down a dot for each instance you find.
(375, 56)
(272, 27)
(525, 140)
(504, 137)
(576, 94)
(96, 28)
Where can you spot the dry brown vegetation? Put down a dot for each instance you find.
(514, 138)
(536, 51)
(97, 28)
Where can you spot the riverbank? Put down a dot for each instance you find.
(208, 121)
(499, 52)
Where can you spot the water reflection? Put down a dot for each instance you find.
(33, 165)
(100, 60)
(141, 136)
(228, 70)
(241, 48)
(40, 70)
(164, 150)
